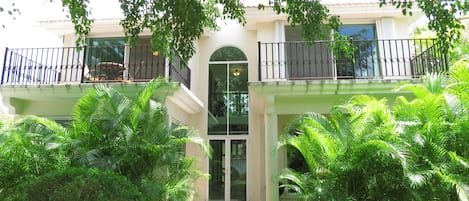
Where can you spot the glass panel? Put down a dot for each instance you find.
(228, 54)
(306, 61)
(359, 31)
(217, 171)
(238, 170)
(105, 58)
(217, 100)
(238, 99)
(366, 58)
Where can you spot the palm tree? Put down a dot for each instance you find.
(354, 154)
(133, 137)
(130, 136)
(438, 135)
(25, 151)
(365, 151)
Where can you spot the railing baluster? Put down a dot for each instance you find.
(259, 62)
(278, 60)
(403, 58)
(313, 64)
(46, 62)
(4, 69)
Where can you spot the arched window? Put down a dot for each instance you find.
(228, 92)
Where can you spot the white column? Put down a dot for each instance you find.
(126, 62)
(271, 154)
(387, 48)
(279, 31)
(279, 50)
(387, 28)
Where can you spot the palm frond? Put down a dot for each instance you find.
(432, 85)
(293, 180)
(384, 147)
(314, 146)
(86, 108)
(464, 162)
(455, 183)
(420, 178)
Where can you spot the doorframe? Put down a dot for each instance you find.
(228, 139)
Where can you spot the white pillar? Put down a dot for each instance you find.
(279, 51)
(271, 154)
(387, 28)
(279, 31)
(387, 31)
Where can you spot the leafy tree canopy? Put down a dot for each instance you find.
(175, 24)
(444, 17)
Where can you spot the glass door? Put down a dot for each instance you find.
(364, 62)
(228, 183)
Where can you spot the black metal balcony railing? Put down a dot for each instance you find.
(29, 66)
(371, 59)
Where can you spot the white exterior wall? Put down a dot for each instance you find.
(231, 34)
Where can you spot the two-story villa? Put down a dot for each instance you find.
(239, 89)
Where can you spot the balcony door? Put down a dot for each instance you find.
(228, 124)
(105, 58)
(364, 62)
(112, 59)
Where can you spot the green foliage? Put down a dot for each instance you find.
(132, 137)
(25, 152)
(80, 184)
(459, 52)
(79, 14)
(366, 150)
(128, 136)
(175, 24)
(313, 17)
(315, 21)
(444, 17)
(439, 154)
(349, 154)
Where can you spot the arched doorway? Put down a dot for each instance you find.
(228, 124)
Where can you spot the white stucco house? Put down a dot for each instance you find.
(239, 89)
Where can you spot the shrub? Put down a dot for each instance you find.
(79, 184)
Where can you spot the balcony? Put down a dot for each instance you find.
(371, 59)
(50, 66)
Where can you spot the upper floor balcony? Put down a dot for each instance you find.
(370, 59)
(279, 61)
(111, 63)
